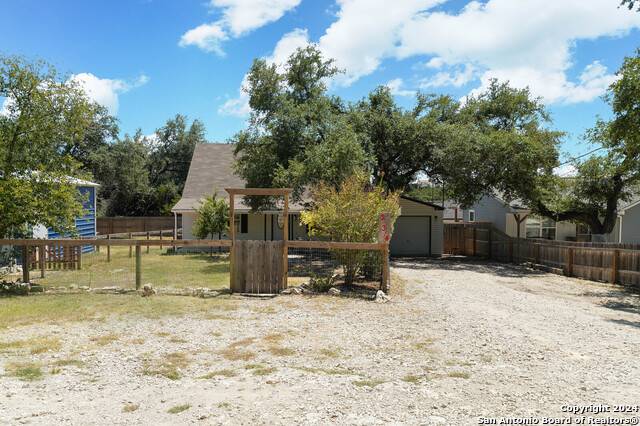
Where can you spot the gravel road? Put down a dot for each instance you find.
(459, 342)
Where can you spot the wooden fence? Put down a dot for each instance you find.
(251, 269)
(123, 225)
(610, 262)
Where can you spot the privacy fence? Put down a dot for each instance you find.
(610, 262)
(117, 225)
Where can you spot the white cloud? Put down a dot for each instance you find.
(455, 78)
(287, 45)
(367, 32)
(239, 17)
(565, 171)
(395, 85)
(105, 91)
(207, 37)
(530, 43)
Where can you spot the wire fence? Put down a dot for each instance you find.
(335, 267)
(122, 263)
(114, 266)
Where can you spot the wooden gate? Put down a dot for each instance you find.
(454, 238)
(257, 266)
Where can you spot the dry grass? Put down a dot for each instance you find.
(235, 354)
(458, 375)
(78, 307)
(37, 345)
(225, 373)
(107, 339)
(243, 342)
(129, 408)
(169, 366)
(281, 351)
(25, 371)
(264, 371)
(178, 409)
(370, 383)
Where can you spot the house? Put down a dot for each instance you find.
(515, 220)
(417, 232)
(85, 225)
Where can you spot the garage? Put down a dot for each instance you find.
(418, 229)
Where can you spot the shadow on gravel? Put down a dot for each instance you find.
(463, 263)
(635, 324)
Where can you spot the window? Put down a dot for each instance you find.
(537, 227)
(472, 215)
(240, 223)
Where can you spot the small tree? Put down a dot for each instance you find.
(213, 217)
(350, 214)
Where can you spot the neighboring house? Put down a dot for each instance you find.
(452, 212)
(508, 217)
(417, 232)
(627, 228)
(515, 220)
(85, 225)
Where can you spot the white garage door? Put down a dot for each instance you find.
(411, 236)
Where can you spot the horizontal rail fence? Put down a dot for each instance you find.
(611, 262)
(119, 225)
(119, 257)
(124, 254)
(323, 260)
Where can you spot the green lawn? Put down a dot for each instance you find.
(159, 268)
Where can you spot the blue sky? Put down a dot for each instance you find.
(147, 60)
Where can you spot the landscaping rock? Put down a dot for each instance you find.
(36, 288)
(296, 290)
(20, 288)
(84, 288)
(148, 290)
(73, 287)
(381, 297)
(286, 291)
(307, 285)
(334, 291)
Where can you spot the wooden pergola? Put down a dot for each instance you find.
(258, 191)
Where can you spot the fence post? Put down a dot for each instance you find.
(130, 247)
(489, 244)
(175, 237)
(43, 265)
(536, 259)
(511, 251)
(138, 267)
(385, 268)
(616, 261)
(473, 251)
(148, 235)
(160, 239)
(79, 265)
(25, 264)
(108, 249)
(570, 262)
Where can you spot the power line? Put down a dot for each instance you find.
(579, 156)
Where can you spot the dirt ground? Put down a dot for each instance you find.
(460, 343)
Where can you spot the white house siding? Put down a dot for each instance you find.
(414, 209)
(255, 227)
(188, 219)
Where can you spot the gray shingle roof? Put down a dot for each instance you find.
(212, 167)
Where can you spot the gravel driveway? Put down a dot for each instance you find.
(459, 342)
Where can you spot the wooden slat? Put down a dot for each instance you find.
(258, 191)
(335, 245)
